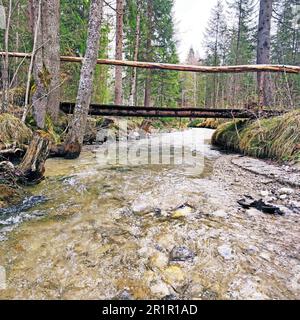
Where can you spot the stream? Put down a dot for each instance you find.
(105, 230)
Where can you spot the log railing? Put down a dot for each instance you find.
(175, 67)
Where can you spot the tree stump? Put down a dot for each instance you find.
(33, 163)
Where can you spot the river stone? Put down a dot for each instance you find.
(283, 197)
(160, 289)
(170, 297)
(181, 254)
(253, 212)
(173, 275)
(219, 214)
(181, 212)
(159, 260)
(226, 252)
(264, 193)
(123, 295)
(295, 204)
(285, 191)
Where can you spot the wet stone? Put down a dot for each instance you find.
(208, 295)
(181, 254)
(226, 252)
(170, 297)
(160, 289)
(219, 214)
(123, 295)
(285, 191)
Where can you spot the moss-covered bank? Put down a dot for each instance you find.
(209, 123)
(275, 138)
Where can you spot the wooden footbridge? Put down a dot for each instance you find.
(133, 111)
(155, 112)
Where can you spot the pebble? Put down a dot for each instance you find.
(283, 197)
(181, 254)
(160, 289)
(219, 214)
(295, 204)
(226, 252)
(265, 193)
(269, 199)
(159, 260)
(252, 249)
(182, 212)
(174, 275)
(253, 212)
(285, 191)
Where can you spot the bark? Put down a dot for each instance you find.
(147, 100)
(46, 67)
(132, 95)
(177, 67)
(51, 54)
(35, 26)
(32, 166)
(264, 87)
(119, 51)
(74, 139)
(5, 71)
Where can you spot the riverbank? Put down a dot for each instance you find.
(276, 138)
(156, 232)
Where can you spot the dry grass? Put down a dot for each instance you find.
(12, 130)
(275, 138)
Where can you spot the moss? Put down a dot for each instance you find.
(274, 138)
(13, 130)
(9, 195)
(195, 123)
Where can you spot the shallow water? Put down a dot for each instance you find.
(108, 230)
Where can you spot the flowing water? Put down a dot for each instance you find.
(105, 230)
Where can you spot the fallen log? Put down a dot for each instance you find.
(176, 67)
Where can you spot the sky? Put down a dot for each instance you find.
(191, 17)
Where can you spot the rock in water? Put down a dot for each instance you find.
(181, 254)
(285, 191)
(226, 252)
(219, 214)
(182, 211)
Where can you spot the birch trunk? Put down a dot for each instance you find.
(5, 72)
(74, 139)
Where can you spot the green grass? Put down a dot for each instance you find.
(275, 138)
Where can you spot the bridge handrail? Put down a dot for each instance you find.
(175, 67)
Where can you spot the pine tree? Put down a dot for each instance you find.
(215, 43)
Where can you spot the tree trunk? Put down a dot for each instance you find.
(263, 52)
(5, 72)
(74, 139)
(32, 167)
(132, 95)
(46, 68)
(119, 52)
(51, 54)
(147, 101)
(40, 73)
